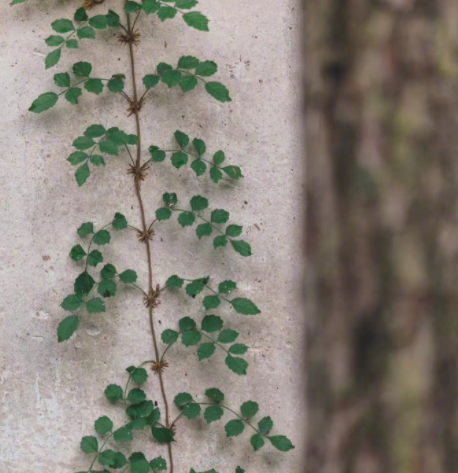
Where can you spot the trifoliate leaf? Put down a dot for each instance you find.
(220, 240)
(169, 336)
(199, 167)
(186, 219)
(128, 276)
(234, 230)
(282, 443)
(234, 428)
(67, 328)
(62, 26)
(71, 302)
(113, 392)
(211, 302)
(191, 338)
(206, 68)
(119, 221)
(103, 425)
(102, 237)
(196, 20)
(186, 323)
(82, 69)
(244, 306)
(228, 336)
(163, 213)
(215, 394)
(241, 247)
(89, 445)
(213, 413)
(212, 323)
(174, 282)
(265, 425)
(77, 253)
(218, 91)
(204, 229)
(108, 271)
(95, 306)
(151, 80)
(107, 288)
(179, 159)
(249, 409)
(44, 102)
(257, 442)
(206, 350)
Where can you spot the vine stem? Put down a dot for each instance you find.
(145, 229)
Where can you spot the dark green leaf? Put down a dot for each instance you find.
(219, 157)
(186, 62)
(73, 95)
(89, 445)
(226, 287)
(234, 427)
(191, 338)
(161, 434)
(186, 323)
(94, 258)
(228, 336)
(199, 146)
(169, 336)
(107, 288)
(219, 216)
(234, 230)
(166, 12)
(53, 58)
(249, 409)
(211, 302)
(191, 411)
(241, 247)
(103, 425)
(109, 147)
(257, 442)
(95, 131)
(139, 376)
(282, 443)
(83, 284)
(128, 276)
(137, 456)
(199, 167)
(204, 229)
(213, 413)
(215, 175)
(82, 173)
(95, 306)
(77, 253)
(238, 349)
(215, 394)
(212, 323)
(115, 85)
(112, 459)
(108, 271)
(163, 213)
(182, 399)
(220, 240)
(233, 171)
(186, 219)
(140, 466)
(206, 68)
(151, 6)
(71, 302)
(171, 78)
(132, 7)
(218, 91)
(94, 86)
(77, 157)
(158, 155)
(137, 424)
(113, 392)
(170, 198)
(163, 67)
(174, 282)
(44, 102)
(244, 306)
(86, 33)
(265, 425)
(102, 237)
(62, 26)
(199, 203)
(99, 21)
(185, 4)
(237, 365)
(182, 138)
(150, 80)
(194, 288)
(123, 435)
(67, 328)
(82, 69)
(83, 142)
(179, 159)
(72, 44)
(158, 464)
(196, 20)
(54, 40)
(80, 15)
(206, 350)
(136, 396)
(85, 229)
(112, 18)
(187, 83)
(119, 221)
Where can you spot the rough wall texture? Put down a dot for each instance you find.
(51, 394)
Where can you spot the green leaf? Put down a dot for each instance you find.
(212, 323)
(218, 91)
(86, 33)
(62, 26)
(83, 142)
(182, 399)
(112, 18)
(215, 394)
(239, 470)
(113, 392)
(44, 102)
(85, 229)
(199, 167)
(199, 203)
(213, 413)
(103, 425)
(94, 86)
(249, 409)
(238, 349)
(204, 229)
(82, 69)
(140, 466)
(109, 147)
(179, 159)
(95, 131)
(191, 338)
(123, 435)
(158, 155)
(54, 40)
(191, 411)
(107, 288)
(215, 175)
(77, 157)
(62, 79)
(171, 78)
(15, 2)
(199, 146)
(187, 83)
(73, 95)
(151, 80)
(99, 21)
(53, 58)
(137, 424)
(83, 284)
(234, 231)
(257, 442)
(94, 258)
(163, 67)
(186, 323)
(72, 44)
(108, 271)
(137, 456)
(169, 336)
(151, 6)
(112, 459)
(282, 443)
(128, 276)
(136, 396)
(241, 247)
(233, 171)
(219, 216)
(186, 62)
(139, 376)
(206, 68)
(170, 198)
(132, 7)
(82, 173)
(220, 240)
(158, 464)
(244, 306)
(115, 85)
(185, 4)
(206, 350)
(265, 425)
(102, 237)
(163, 435)
(174, 282)
(194, 288)
(77, 253)
(163, 213)
(166, 12)
(211, 302)
(228, 336)
(226, 287)
(234, 428)
(182, 138)
(196, 20)
(67, 328)
(219, 157)
(71, 302)
(89, 445)
(80, 15)
(237, 365)
(95, 306)
(119, 221)
(186, 219)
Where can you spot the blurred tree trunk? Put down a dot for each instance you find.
(381, 80)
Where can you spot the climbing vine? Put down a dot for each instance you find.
(99, 280)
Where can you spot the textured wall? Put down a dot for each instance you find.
(51, 394)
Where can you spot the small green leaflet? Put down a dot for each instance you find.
(95, 306)
(169, 336)
(162, 434)
(128, 276)
(89, 445)
(103, 425)
(215, 394)
(241, 247)
(136, 396)
(257, 442)
(244, 306)
(218, 91)
(174, 282)
(158, 464)
(114, 393)
(237, 365)
(44, 102)
(249, 409)
(107, 288)
(213, 413)
(234, 428)
(212, 323)
(196, 20)
(67, 328)
(182, 399)
(282, 443)
(53, 58)
(123, 435)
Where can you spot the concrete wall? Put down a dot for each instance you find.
(51, 394)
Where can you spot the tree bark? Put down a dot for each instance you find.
(381, 114)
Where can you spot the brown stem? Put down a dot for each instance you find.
(145, 229)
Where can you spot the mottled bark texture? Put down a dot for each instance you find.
(382, 235)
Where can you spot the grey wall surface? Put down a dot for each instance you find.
(51, 394)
